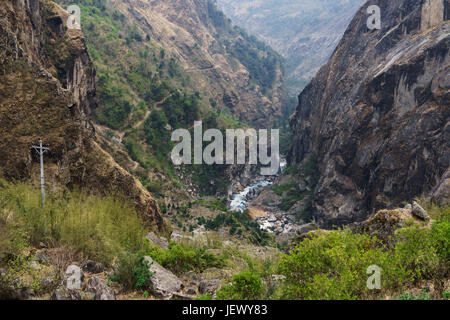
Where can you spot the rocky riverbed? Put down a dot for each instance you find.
(270, 218)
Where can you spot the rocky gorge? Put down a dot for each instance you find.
(370, 153)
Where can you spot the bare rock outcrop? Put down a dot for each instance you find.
(163, 282)
(377, 115)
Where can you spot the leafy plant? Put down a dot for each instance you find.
(246, 285)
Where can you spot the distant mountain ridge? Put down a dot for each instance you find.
(305, 32)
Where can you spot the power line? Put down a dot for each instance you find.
(41, 150)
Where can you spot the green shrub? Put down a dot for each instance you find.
(132, 271)
(281, 188)
(415, 252)
(423, 295)
(311, 170)
(440, 237)
(181, 258)
(246, 285)
(330, 266)
(446, 295)
(204, 297)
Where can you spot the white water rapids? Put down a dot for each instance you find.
(239, 201)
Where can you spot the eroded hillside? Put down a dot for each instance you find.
(47, 88)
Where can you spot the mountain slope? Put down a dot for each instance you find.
(161, 65)
(47, 91)
(377, 115)
(305, 32)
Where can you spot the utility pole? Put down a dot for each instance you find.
(41, 150)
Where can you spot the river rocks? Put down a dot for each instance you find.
(92, 267)
(209, 286)
(419, 212)
(74, 277)
(157, 240)
(101, 291)
(163, 282)
(240, 200)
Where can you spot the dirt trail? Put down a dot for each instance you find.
(147, 114)
(121, 133)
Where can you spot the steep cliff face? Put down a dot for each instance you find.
(46, 91)
(377, 115)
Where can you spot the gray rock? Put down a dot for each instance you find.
(209, 286)
(419, 212)
(92, 267)
(191, 291)
(181, 296)
(305, 228)
(408, 206)
(96, 286)
(163, 282)
(157, 240)
(192, 277)
(74, 277)
(63, 293)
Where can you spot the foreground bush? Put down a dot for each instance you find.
(333, 265)
(132, 271)
(181, 258)
(246, 285)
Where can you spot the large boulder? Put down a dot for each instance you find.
(163, 282)
(63, 293)
(92, 267)
(157, 240)
(96, 286)
(209, 286)
(419, 212)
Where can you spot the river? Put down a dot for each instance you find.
(240, 200)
